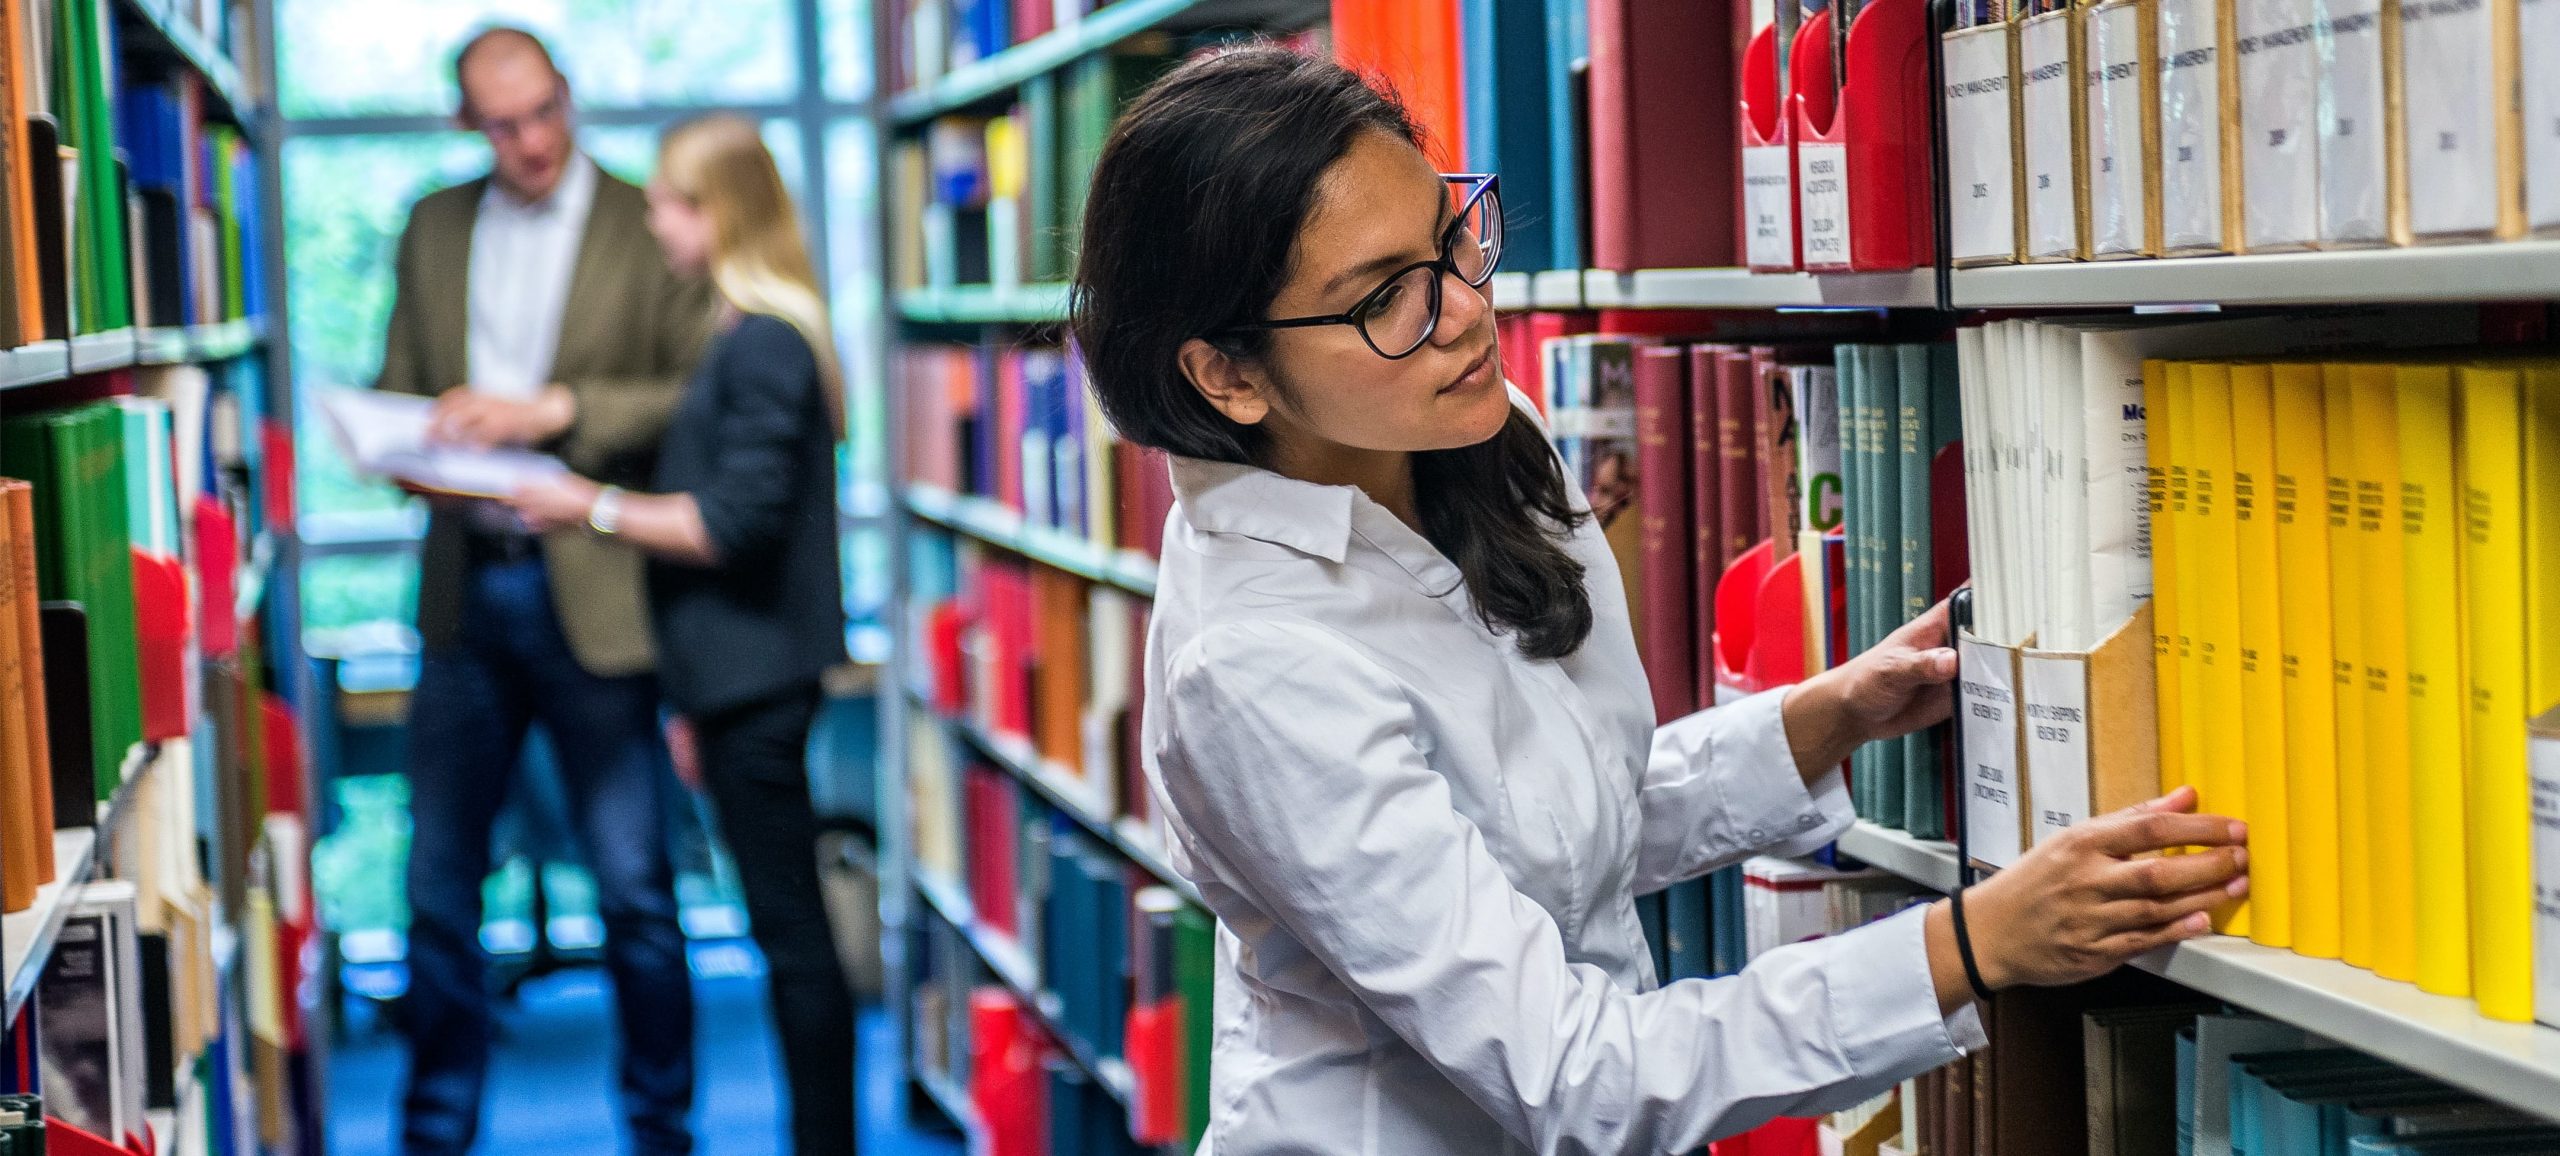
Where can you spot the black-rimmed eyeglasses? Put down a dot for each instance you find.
(1398, 316)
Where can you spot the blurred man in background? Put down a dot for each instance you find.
(532, 304)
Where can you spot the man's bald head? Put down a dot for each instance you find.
(499, 48)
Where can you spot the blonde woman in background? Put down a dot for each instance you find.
(740, 530)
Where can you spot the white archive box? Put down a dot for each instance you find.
(1982, 172)
(2357, 155)
(1994, 784)
(2199, 121)
(2538, 71)
(2462, 156)
(2120, 114)
(2052, 127)
(2277, 43)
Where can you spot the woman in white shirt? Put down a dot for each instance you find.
(1394, 711)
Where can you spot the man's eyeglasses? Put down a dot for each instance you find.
(508, 127)
(1399, 315)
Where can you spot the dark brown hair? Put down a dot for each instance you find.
(1195, 210)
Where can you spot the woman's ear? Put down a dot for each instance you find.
(1226, 382)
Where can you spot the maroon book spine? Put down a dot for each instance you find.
(1663, 147)
(1706, 513)
(1662, 488)
(1743, 516)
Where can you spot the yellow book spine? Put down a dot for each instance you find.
(2500, 801)
(2346, 673)
(2263, 770)
(2196, 762)
(2310, 691)
(2213, 604)
(2542, 537)
(2431, 548)
(2164, 569)
(2386, 697)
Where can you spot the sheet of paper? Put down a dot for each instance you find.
(386, 434)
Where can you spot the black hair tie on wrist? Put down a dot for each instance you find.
(1964, 948)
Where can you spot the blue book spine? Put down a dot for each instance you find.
(1507, 65)
(1568, 50)
(2187, 1092)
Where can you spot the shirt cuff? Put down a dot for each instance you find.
(1884, 1001)
(1775, 812)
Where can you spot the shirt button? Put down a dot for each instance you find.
(1757, 833)
(1807, 823)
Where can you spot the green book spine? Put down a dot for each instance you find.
(1926, 422)
(1852, 367)
(1195, 965)
(1884, 552)
(1046, 132)
(226, 149)
(114, 636)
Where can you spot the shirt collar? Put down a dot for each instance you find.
(1319, 521)
(576, 190)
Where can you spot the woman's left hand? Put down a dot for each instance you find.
(1895, 688)
(554, 503)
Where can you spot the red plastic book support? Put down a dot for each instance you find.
(1769, 241)
(1864, 168)
(160, 637)
(1738, 620)
(1777, 651)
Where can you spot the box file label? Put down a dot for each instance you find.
(1993, 792)
(2450, 116)
(2545, 763)
(2190, 126)
(2053, 181)
(2119, 200)
(2056, 690)
(1769, 197)
(2539, 26)
(1823, 181)
(2279, 56)
(2355, 184)
(1982, 179)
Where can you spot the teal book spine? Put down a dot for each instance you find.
(1850, 363)
(1915, 443)
(2187, 1076)
(1883, 555)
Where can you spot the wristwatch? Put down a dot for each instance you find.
(605, 516)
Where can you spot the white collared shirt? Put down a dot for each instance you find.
(1423, 850)
(522, 254)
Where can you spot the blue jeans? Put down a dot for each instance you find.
(512, 668)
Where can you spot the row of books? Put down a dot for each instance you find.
(1017, 425)
(1121, 963)
(2138, 128)
(931, 37)
(121, 204)
(121, 551)
(1774, 508)
(2316, 590)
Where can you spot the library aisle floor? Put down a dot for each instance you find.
(548, 1087)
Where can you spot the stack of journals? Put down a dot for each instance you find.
(1017, 426)
(2143, 128)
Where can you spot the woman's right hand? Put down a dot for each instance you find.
(2085, 901)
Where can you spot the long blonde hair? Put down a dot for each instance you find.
(759, 261)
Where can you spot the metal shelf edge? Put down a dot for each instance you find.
(2483, 271)
(997, 526)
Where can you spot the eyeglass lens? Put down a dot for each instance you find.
(1400, 315)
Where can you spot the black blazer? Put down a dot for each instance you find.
(754, 444)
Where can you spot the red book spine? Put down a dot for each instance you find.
(1007, 1083)
(1664, 550)
(1033, 18)
(946, 625)
(1706, 516)
(1774, 408)
(1737, 458)
(217, 577)
(160, 642)
(283, 741)
(1155, 479)
(1662, 167)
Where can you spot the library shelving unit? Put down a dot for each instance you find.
(928, 912)
(235, 915)
(2441, 1037)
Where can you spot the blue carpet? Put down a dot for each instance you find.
(550, 1085)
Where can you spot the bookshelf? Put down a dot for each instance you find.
(985, 305)
(2517, 1064)
(993, 76)
(37, 363)
(1744, 289)
(2485, 271)
(27, 937)
(1005, 960)
(995, 525)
